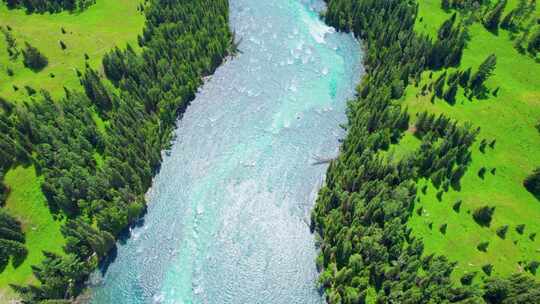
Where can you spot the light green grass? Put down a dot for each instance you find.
(508, 118)
(94, 31)
(28, 205)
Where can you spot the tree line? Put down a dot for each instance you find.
(367, 251)
(51, 6)
(96, 178)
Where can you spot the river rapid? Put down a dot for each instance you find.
(228, 213)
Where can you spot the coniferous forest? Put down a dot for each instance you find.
(368, 252)
(51, 6)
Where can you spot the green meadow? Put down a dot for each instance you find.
(93, 32)
(508, 118)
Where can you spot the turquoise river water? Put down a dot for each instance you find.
(228, 213)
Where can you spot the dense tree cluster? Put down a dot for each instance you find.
(167, 74)
(51, 6)
(462, 4)
(97, 177)
(445, 151)
(448, 48)
(517, 289)
(60, 277)
(361, 214)
(11, 241)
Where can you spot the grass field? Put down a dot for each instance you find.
(94, 32)
(508, 118)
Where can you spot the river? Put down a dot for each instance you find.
(228, 213)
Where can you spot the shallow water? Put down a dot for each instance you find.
(228, 213)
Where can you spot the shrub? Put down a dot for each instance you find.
(483, 145)
(487, 269)
(443, 228)
(483, 246)
(484, 215)
(31, 91)
(439, 195)
(532, 267)
(482, 172)
(501, 231)
(532, 236)
(467, 278)
(520, 228)
(457, 206)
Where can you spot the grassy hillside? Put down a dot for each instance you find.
(510, 119)
(94, 32)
